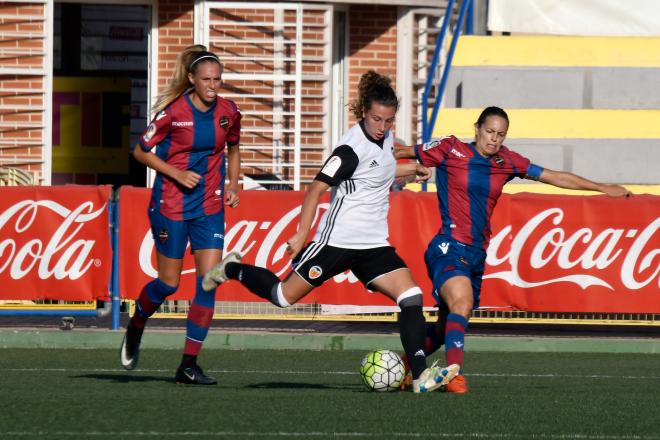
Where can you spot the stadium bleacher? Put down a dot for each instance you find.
(588, 105)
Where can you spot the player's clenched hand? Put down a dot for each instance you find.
(231, 198)
(616, 191)
(188, 179)
(294, 245)
(422, 173)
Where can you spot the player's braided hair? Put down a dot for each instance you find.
(187, 62)
(373, 87)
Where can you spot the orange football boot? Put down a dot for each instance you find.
(407, 381)
(457, 386)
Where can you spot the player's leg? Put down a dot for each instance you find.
(455, 328)
(198, 322)
(207, 241)
(315, 264)
(383, 270)
(260, 281)
(435, 339)
(458, 295)
(449, 267)
(170, 240)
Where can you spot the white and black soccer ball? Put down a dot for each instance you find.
(382, 370)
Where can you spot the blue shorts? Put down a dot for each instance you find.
(171, 236)
(446, 258)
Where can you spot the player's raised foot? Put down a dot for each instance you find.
(435, 377)
(130, 347)
(193, 375)
(216, 276)
(457, 386)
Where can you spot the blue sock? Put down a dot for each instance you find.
(199, 319)
(455, 339)
(151, 297)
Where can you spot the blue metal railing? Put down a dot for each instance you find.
(429, 123)
(114, 278)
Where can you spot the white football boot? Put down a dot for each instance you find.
(435, 377)
(216, 276)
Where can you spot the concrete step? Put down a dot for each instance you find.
(617, 146)
(554, 87)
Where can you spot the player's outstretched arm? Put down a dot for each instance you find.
(563, 179)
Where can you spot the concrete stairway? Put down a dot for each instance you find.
(590, 105)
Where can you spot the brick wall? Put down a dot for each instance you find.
(175, 33)
(372, 44)
(22, 95)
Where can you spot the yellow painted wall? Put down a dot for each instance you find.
(557, 51)
(557, 123)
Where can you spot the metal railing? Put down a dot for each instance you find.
(428, 123)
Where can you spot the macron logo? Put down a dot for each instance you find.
(456, 153)
(444, 247)
(373, 164)
(420, 353)
(458, 344)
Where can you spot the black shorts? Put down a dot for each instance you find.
(317, 263)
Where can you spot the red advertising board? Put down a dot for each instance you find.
(55, 243)
(548, 252)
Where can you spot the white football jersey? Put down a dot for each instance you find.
(357, 217)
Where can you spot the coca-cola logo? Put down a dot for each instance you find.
(543, 243)
(62, 255)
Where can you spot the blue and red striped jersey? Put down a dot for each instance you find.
(190, 139)
(469, 185)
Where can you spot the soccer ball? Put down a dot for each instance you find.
(382, 370)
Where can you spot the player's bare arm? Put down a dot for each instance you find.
(419, 172)
(568, 180)
(310, 203)
(402, 152)
(233, 170)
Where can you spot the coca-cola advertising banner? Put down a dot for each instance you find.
(547, 253)
(55, 243)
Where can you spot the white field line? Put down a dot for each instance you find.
(317, 434)
(330, 373)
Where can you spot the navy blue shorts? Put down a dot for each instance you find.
(446, 258)
(172, 236)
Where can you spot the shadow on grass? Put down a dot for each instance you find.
(125, 378)
(299, 385)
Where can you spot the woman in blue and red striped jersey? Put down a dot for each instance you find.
(469, 179)
(192, 129)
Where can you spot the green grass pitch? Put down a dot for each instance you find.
(278, 394)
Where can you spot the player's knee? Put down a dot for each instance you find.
(463, 308)
(277, 296)
(411, 297)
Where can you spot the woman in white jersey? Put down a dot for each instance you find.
(353, 233)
